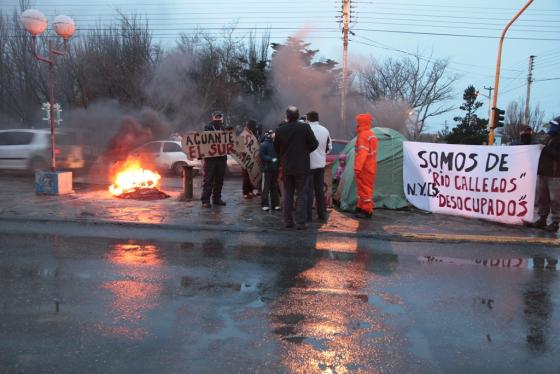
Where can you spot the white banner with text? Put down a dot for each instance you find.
(492, 183)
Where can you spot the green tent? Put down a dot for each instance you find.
(388, 192)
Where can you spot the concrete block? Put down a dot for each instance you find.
(53, 182)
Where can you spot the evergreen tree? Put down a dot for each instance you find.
(469, 129)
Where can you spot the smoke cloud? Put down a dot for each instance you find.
(295, 82)
(172, 90)
(109, 132)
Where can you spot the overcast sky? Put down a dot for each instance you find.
(467, 33)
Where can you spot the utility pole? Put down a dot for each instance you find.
(489, 102)
(345, 31)
(529, 81)
(497, 79)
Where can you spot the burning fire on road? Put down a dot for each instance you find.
(132, 181)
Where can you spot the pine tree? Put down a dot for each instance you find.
(469, 129)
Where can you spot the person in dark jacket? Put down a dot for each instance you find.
(269, 167)
(548, 182)
(214, 168)
(293, 142)
(525, 137)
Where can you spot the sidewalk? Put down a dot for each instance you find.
(93, 204)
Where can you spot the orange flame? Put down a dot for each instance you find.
(132, 176)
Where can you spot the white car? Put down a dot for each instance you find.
(167, 155)
(30, 149)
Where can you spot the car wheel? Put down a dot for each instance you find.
(38, 164)
(178, 168)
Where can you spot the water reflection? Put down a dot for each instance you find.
(349, 245)
(538, 303)
(136, 291)
(135, 254)
(213, 247)
(134, 214)
(325, 320)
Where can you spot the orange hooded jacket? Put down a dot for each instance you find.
(365, 160)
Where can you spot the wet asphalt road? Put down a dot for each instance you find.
(256, 303)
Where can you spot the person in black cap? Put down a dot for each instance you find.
(548, 182)
(214, 168)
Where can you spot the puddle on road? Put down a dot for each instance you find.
(134, 214)
(135, 254)
(328, 306)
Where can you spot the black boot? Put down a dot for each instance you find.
(362, 214)
(540, 223)
(553, 227)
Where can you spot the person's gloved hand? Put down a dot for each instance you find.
(274, 160)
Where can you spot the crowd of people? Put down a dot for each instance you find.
(294, 155)
(293, 160)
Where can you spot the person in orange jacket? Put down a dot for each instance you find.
(365, 165)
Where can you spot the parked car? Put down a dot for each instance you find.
(337, 147)
(30, 149)
(166, 155)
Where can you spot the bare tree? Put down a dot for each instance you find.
(424, 84)
(21, 75)
(112, 62)
(205, 73)
(515, 120)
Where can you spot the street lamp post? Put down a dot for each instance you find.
(36, 23)
(497, 78)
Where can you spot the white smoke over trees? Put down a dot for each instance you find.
(299, 78)
(203, 74)
(117, 70)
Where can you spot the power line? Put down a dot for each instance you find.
(284, 2)
(197, 25)
(464, 17)
(335, 30)
(448, 6)
(268, 10)
(281, 19)
(512, 89)
(457, 35)
(546, 79)
(461, 71)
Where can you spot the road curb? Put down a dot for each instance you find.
(394, 235)
(470, 238)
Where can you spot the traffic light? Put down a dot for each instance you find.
(498, 117)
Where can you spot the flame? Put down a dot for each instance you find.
(132, 176)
